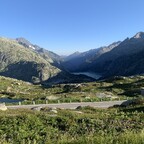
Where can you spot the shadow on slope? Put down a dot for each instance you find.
(65, 77)
(41, 73)
(26, 71)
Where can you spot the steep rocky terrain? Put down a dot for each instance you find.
(47, 55)
(19, 62)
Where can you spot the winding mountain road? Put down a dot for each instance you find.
(104, 104)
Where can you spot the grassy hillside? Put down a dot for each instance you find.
(83, 126)
(111, 89)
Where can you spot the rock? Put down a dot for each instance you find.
(9, 89)
(3, 107)
(79, 107)
(17, 83)
(133, 102)
(79, 112)
(52, 97)
(36, 108)
(47, 109)
(101, 95)
(127, 103)
(54, 111)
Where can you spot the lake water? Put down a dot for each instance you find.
(7, 100)
(90, 74)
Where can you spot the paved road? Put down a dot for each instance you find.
(104, 104)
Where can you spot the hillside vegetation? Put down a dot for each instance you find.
(114, 88)
(82, 126)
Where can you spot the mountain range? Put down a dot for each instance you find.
(120, 58)
(79, 61)
(23, 60)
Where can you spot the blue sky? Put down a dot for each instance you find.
(66, 26)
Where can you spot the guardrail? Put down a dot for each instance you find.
(34, 102)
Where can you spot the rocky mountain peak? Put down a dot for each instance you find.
(25, 43)
(23, 40)
(139, 35)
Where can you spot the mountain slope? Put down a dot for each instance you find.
(81, 61)
(122, 58)
(125, 59)
(47, 55)
(72, 56)
(19, 62)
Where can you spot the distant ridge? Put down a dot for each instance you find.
(120, 58)
(79, 61)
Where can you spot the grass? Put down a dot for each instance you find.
(122, 88)
(100, 126)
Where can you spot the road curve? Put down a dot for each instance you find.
(104, 104)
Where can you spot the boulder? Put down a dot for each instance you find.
(54, 111)
(38, 108)
(79, 112)
(127, 103)
(79, 107)
(3, 107)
